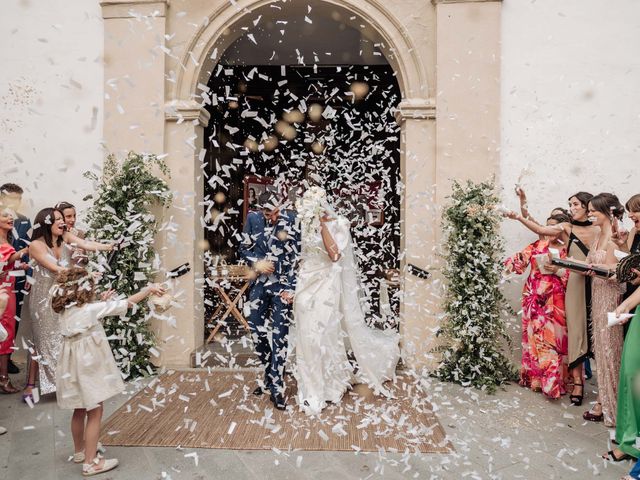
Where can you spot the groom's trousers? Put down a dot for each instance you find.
(265, 302)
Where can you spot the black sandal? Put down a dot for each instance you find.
(576, 400)
(612, 457)
(592, 417)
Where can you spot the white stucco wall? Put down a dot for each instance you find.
(570, 108)
(50, 98)
(570, 102)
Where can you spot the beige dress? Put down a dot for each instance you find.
(576, 300)
(87, 373)
(45, 322)
(607, 341)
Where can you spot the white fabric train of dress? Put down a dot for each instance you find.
(328, 319)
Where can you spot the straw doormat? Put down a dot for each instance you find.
(217, 410)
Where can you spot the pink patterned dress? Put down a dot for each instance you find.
(544, 326)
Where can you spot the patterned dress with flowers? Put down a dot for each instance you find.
(544, 326)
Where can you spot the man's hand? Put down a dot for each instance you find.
(286, 296)
(265, 266)
(636, 281)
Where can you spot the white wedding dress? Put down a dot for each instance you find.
(328, 320)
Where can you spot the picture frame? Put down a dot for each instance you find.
(254, 186)
(375, 217)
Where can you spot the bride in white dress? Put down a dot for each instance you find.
(328, 316)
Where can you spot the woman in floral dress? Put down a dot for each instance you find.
(544, 327)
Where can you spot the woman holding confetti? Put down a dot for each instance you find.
(328, 314)
(86, 373)
(576, 235)
(544, 327)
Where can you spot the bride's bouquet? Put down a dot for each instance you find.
(310, 209)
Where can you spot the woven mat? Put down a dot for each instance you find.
(217, 410)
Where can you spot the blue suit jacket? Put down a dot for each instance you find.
(279, 243)
(22, 225)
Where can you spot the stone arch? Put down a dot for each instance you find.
(404, 58)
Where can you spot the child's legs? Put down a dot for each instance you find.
(77, 428)
(92, 432)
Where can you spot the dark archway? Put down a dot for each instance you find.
(285, 124)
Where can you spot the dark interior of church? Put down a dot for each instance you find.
(286, 127)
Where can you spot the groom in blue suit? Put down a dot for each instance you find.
(270, 247)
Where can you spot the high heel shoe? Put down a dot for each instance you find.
(611, 456)
(30, 397)
(576, 400)
(593, 417)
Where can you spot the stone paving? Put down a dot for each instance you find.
(510, 435)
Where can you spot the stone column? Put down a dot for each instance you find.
(134, 65)
(181, 239)
(468, 84)
(420, 219)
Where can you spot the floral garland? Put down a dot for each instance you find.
(474, 308)
(121, 211)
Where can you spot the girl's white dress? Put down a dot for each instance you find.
(87, 373)
(329, 321)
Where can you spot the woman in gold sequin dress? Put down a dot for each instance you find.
(51, 248)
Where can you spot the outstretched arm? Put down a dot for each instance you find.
(89, 245)
(150, 289)
(18, 254)
(524, 207)
(551, 231)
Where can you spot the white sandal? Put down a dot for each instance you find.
(78, 457)
(90, 469)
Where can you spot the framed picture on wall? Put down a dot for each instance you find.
(375, 217)
(254, 186)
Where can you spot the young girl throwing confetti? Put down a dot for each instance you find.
(87, 374)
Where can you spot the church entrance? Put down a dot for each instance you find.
(283, 127)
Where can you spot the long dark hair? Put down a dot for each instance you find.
(583, 198)
(42, 226)
(608, 204)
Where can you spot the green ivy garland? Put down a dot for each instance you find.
(121, 212)
(473, 326)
